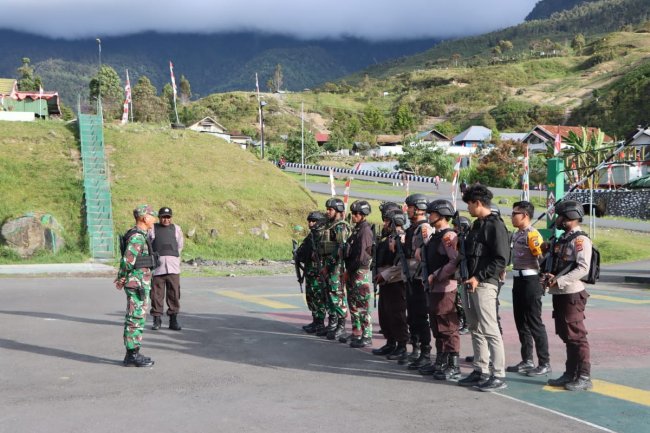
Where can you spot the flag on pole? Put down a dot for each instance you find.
(332, 182)
(171, 72)
(259, 106)
(574, 172)
(526, 178)
(557, 146)
(127, 99)
(454, 182)
(609, 176)
(346, 193)
(40, 101)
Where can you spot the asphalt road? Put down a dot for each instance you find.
(242, 363)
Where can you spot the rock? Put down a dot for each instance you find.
(191, 232)
(503, 201)
(230, 206)
(32, 232)
(214, 233)
(265, 236)
(264, 227)
(277, 223)
(256, 231)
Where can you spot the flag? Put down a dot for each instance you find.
(259, 105)
(171, 72)
(40, 91)
(2, 100)
(127, 99)
(332, 182)
(346, 193)
(257, 86)
(574, 172)
(454, 182)
(609, 176)
(557, 146)
(525, 179)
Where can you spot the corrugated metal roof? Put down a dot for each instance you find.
(514, 136)
(474, 133)
(6, 85)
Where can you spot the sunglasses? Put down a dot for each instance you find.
(518, 213)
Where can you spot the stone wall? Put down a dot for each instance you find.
(630, 204)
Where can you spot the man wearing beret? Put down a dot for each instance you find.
(134, 276)
(167, 241)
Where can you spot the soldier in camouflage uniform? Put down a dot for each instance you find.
(358, 258)
(308, 254)
(332, 246)
(134, 276)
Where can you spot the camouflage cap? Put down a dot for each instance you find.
(142, 210)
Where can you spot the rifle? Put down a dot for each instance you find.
(463, 270)
(375, 287)
(300, 274)
(425, 271)
(405, 265)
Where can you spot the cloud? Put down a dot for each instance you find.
(307, 19)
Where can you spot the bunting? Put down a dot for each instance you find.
(333, 189)
(348, 182)
(525, 182)
(171, 72)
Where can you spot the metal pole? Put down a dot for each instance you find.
(262, 104)
(99, 78)
(302, 138)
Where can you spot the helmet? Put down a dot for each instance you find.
(417, 200)
(464, 223)
(336, 204)
(442, 207)
(570, 209)
(386, 206)
(317, 216)
(397, 217)
(361, 206)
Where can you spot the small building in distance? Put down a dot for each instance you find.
(19, 105)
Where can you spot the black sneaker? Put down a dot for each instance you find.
(562, 380)
(540, 370)
(492, 384)
(582, 383)
(474, 378)
(522, 367)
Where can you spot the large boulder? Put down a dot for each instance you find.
(32, 232)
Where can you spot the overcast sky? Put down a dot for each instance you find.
(370, 19)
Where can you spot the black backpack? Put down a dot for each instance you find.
(151, 261)
(594, 266)
(124, 240)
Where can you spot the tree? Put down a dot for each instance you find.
(111, 92)
(505, 45)
(278, 78)
(501, 167)
(27, 80)
(586, 150)
(403, 122)
(425, 161)
(147, 106)
(293, 152)
(455, 57)
(373, 120)
(185, 93)
(578, 43)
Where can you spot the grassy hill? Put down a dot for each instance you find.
(210, 184)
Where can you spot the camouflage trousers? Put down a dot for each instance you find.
(136, 315)
(314, 292)
(337, 305)
(359, 298)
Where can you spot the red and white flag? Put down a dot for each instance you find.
(454, 182)
(127, 99)
(574, 172)
(171, 72)
(333, 190)
(346, 192)
(525, 182)
(557, 146)
(609, 176)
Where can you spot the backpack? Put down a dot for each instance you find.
(594, 265)
(124, 240)
(151, 261)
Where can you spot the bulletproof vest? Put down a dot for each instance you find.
(164, 242)
(435, 259)
(411, 233)
(146, 259)
(331, 239)
(384, 255)
(559, 263)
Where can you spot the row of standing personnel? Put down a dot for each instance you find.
(422, 266)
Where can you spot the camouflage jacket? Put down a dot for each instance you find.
(135, 278)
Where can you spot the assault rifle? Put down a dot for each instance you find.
(300, 270)
(404, 262)
(462, 254)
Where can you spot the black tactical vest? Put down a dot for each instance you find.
(164, 242)
(436, 260)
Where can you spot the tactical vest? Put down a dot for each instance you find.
(164, 242)
(435, 259)
(332, 238)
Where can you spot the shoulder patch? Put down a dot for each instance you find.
(579, 244)
(447, 239)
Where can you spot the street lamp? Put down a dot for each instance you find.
(262, 104)
(99, 78)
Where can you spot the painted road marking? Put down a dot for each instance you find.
(619, 299)
(608, 389)
(254, 299)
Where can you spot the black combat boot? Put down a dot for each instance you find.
(438, 365)
(386, 349)
(133, 358)
(310, 328)
(338, 331)
(157, 323)
(331, 326)
(562, 380)
(320, 326)
(360, 342)
(422, 360)
(415, 354)
(399, 354)
(173, 323)
(451, 370)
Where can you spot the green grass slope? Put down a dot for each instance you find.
(210, 184)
